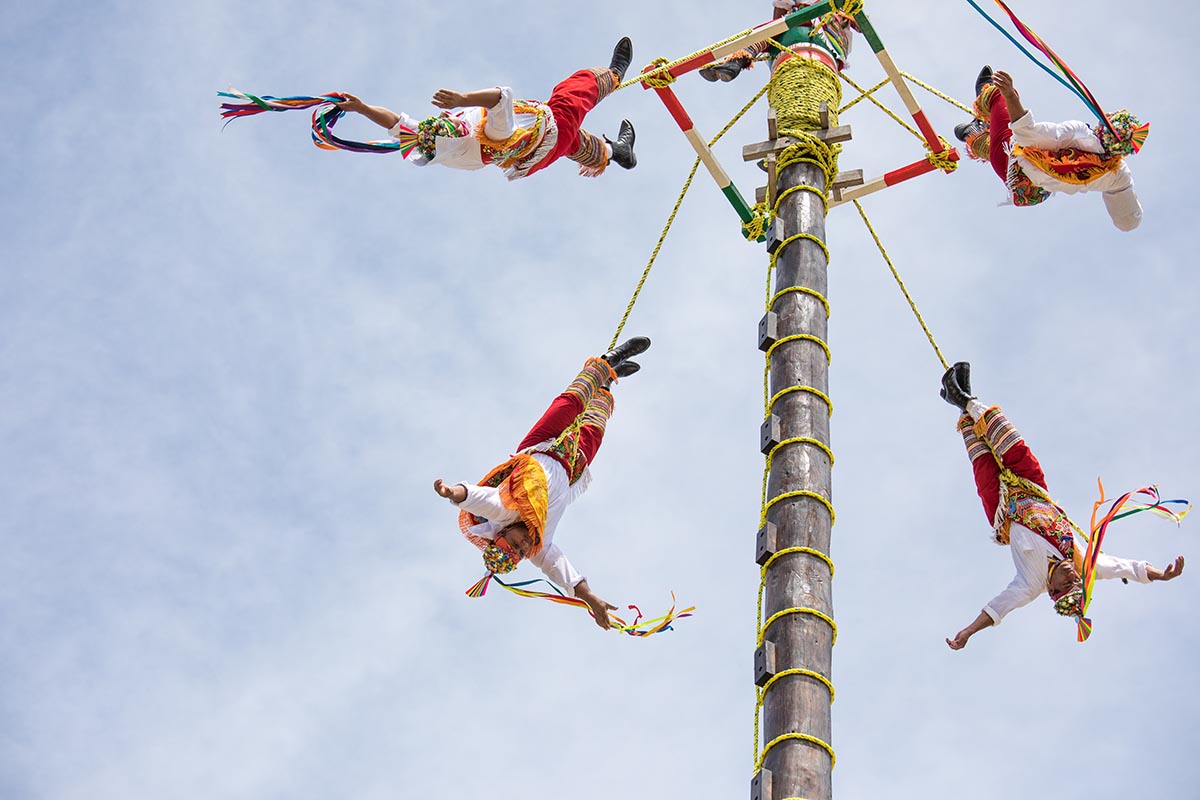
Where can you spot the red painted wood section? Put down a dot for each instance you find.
(928, 132)
(676, 109)
(911, 171)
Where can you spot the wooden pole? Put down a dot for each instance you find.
(798, 583)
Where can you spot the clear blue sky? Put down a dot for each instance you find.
(231, 366)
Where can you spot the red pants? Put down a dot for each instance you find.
(999, 135)
(570, 102)
(558, 417)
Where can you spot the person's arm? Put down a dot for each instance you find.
(1019, 592)
(482, 501)
(960, 639)
(599, 607)
(1172, 571)
(483, 98)
(1110, 567)
(384, 117)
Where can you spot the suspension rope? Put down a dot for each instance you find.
(687, 184)
(895, 274)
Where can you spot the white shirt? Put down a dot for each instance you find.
(1030, 554)
(484, 501)
(1119, 197)
(464, 152)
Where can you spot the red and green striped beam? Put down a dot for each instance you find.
(910, 102)
(680, 115)
(761, 33)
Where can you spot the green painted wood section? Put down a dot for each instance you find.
(738, 202)
(804, 15)
(868, 30)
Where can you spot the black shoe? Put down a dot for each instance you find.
(962, 375)
(622, 148)
(621, 58)
(626, 368)
(983, 79)
(965, 130)
(626, 349)
(952, 391)
(722, 72)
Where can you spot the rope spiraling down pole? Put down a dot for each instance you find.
(794, 756)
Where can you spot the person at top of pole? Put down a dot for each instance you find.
(512, 514)
(1037, 159)
(826, 39)
(522, 137)
(1045, 548)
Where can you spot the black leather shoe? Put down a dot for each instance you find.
(721, 72)
(962, 375)
(965, 130)
(621, 58)
(626, 349)
(952, 392)
(983, 79)
(622, 148)
(626, 368)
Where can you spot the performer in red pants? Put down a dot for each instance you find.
(513, 512)
(1041, 538)
(1037, 159)
(520, 136)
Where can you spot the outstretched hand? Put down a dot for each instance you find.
(959, 641)
(446, 98)
(456, 493)
(599, 607)
(352, 103)
(1173, 570)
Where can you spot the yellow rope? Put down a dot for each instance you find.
(802, 737)
(864, 95)
(803, 440)
(900, 283)
(870, 96)
(808, 389)
(787, 551)
(808, 673)
(936, 93)
(779, 498)
(805, 337)
(662, 65)
(801, 289)
(671, 218)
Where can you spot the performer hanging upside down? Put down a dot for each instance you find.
(513, 513)
(1035, 159)
(520, 136)
(1042, 540)
(827, 40)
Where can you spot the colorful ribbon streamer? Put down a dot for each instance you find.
(1069, 79)
(636, 628)
(1123, 506)
(325, 116)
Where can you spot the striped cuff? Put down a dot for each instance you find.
(598, 411)
(995, 429)
(591, 380)
(591, 155)
(976, 447)
(606, 81)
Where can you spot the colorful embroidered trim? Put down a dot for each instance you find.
(523, 142)
(591, 155)
(522, 485)
(1069, 165)
(1024, 191)
(638, 628)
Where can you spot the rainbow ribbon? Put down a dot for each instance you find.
(1069, 79)
(1123, 506)
(636, 628)
(325, 116)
